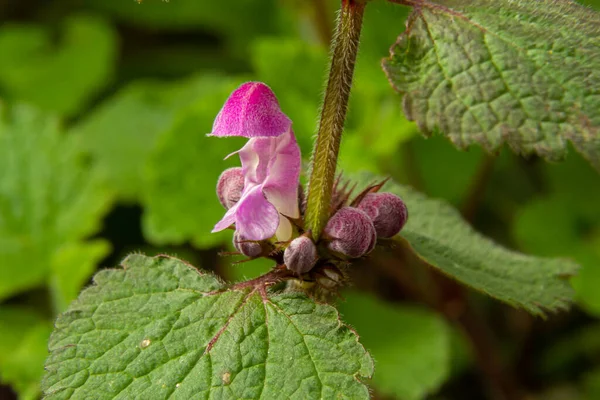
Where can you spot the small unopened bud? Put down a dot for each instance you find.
(350, 232)
(387, 211)
(230, 186)
(301, 255)
(249, 248)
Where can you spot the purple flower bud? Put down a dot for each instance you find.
(230, 186)
(387, 211)
(301, 255)
(250, 249)
(350, 232)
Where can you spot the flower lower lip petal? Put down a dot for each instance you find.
(255, 217)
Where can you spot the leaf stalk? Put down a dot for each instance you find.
(333, 115)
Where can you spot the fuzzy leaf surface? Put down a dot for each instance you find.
(522, 72)
(438, 235)
(159, 328)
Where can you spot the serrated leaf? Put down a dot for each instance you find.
(49, 199)
(183, 171)
(522, 72)
(436, 232)
(159, 328)
(121, 133)
(23, 343)
(59, 78)
(410, 345)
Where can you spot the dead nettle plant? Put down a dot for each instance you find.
(481, 71)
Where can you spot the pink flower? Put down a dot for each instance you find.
(270, 163)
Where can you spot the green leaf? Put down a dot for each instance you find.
(49, 200)
(121, 133)
(159, 328)
(522, 72)
(410, 345)
(61, 78)
(23, 349)
(436, 232)
(183, 171)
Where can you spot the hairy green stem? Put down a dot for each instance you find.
(333, 115)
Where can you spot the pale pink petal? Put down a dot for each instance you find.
(256, 218)
(255, 156)
(252, 110)
(281, 185)
(227, 220)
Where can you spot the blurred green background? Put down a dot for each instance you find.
(104, 107)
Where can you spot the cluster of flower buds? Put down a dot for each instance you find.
(264, 199)
(352, 232)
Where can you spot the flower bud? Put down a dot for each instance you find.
(230, 186)
(301, 255)
(250, 249)
(350, 232)
(387, 211)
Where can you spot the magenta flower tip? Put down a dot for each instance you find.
(252, 110)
